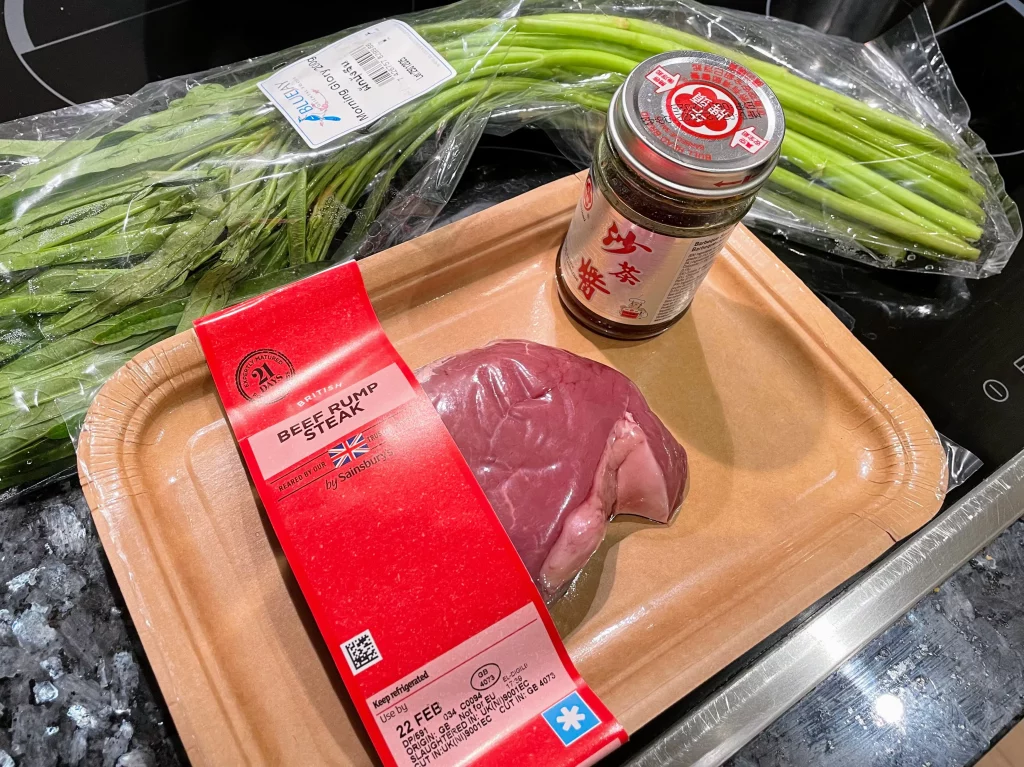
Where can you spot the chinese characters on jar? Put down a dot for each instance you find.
(689, 140)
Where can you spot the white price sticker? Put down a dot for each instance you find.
(358, 79)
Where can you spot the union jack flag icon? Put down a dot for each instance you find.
(348, 450)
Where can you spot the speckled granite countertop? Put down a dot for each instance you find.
(72, 686)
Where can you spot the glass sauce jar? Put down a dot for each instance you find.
(690, 138)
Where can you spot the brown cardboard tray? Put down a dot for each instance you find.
(808, 460)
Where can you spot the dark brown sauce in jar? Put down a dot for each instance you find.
(690, 139)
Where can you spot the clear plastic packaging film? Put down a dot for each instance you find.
(559, 445)
(154, 209)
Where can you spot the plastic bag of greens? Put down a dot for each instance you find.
(883, 198)
(168, 204)
(28, 140)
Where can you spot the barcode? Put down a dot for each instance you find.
(374, 67)
(361, 652)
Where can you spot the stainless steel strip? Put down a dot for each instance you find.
(746, 706)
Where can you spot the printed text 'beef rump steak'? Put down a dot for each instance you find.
(559, 444)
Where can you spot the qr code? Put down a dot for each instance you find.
(361, 652)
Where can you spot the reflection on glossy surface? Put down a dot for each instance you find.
(936, 688)
(889, 708)
(899, 298)
(952, 664)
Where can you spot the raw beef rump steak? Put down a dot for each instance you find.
(560, 444)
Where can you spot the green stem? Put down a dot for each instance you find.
(948, 171)
(861, 183)
(887, 164)
(872, 216)
(841, 228)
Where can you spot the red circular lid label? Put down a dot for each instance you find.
(703, 110)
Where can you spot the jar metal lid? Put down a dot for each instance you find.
(697, 124)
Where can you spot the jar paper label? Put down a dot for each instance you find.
(629, 274)
(356, 80)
